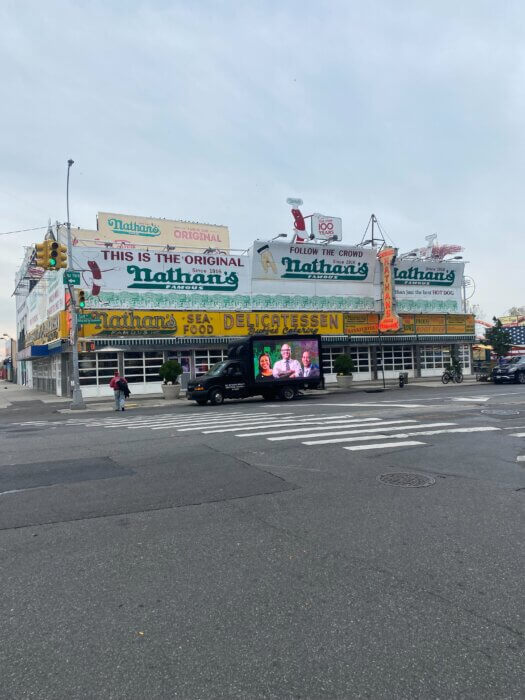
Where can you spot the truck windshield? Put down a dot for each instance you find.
(216, 369)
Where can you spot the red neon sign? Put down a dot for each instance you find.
(389, 321)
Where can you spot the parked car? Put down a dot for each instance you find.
(512, 371)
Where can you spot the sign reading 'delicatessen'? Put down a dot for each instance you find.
(124, 230)
(108, 271)
(345, 274)
(201, 324)
(428, 286)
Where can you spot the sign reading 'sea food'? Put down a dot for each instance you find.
(345, 274)
(428, 286)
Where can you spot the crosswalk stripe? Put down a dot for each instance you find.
(356, 422)
(174, 422)
(384, 404)
(366, 430)
(288, 421)
(201, 420)
(240, 422)
(397, 436)
(353, 431)
(517, 434)
(383, 445)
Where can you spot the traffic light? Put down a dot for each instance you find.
(42, 256)
(52, 260)
(81, 299)
(61, 257)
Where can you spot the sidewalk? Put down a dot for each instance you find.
(12, 394)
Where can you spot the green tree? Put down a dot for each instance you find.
(343, 364)
(499, 338)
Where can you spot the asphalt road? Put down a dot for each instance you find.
(352, 545)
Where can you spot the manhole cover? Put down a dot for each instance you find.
(412, 481)
(500, 412)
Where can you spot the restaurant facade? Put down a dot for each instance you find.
(149, 300)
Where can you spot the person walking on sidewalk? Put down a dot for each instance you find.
(120, 390)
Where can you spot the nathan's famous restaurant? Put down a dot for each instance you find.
(157, 289)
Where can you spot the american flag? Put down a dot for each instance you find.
(517, 334)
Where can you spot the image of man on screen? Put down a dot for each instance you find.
(287, 368)
(309, 368)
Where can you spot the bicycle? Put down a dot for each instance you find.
(450, 375)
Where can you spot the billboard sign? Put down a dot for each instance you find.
(308, 275)
(126, 231)
(326, 227)
(425, 286)
(275, 360)
(155, 279)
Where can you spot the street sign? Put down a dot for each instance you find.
(86, 318)
(71, 277)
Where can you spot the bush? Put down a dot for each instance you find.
(170, 371)
(344, 365)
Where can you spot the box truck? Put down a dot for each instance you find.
(276, 366)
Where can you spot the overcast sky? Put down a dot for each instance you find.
(218, 111)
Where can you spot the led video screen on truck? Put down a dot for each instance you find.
(277, 360)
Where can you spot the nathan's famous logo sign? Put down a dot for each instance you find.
(424, 275)
(323, 270)
(132, 227)
(175, 278)
(108, 269)
(312, 262)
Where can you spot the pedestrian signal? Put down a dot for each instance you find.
(42, 256)
(81, 299)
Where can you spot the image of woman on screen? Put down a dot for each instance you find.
(265, 368)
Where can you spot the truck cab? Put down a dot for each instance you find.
(225, 380)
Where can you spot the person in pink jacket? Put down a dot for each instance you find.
(120, 390)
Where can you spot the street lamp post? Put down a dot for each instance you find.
(78, 401)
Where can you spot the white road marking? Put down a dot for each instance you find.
(403, 435)
(367, 430)
(475, 398)
(239, 423)
(383, 445)
(290, 422)
(376, 428)
(520, 458)
(376, 405)
(356, 422)
(517, 435)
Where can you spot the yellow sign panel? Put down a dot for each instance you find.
(202, 324)
(361, 324)
(431, 324)
(53, 328)
(126, 231)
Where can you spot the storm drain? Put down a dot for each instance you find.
(500, 412)
(406, 479)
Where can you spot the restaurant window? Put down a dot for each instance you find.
(204, 359)
(96, 368)
(360, 356)
(396, 357)
(142, 366)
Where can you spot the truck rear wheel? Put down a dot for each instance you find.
(287, 393)
(216, 397)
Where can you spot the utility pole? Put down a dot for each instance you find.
(78, 401)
